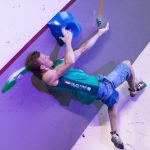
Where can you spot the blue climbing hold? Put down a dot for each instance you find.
(63, 20)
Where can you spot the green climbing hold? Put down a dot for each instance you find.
(13, 79)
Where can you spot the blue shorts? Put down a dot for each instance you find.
(109, 83)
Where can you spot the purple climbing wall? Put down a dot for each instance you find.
(34, 118)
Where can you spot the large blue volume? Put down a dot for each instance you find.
(63, 20)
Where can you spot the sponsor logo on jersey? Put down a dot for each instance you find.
(78, 86)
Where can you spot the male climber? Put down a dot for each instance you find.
(61, 75)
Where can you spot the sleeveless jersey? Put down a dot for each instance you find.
(83, 86)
